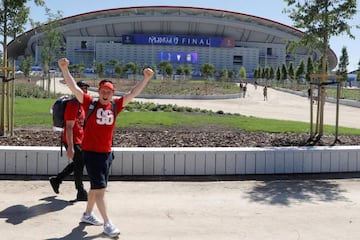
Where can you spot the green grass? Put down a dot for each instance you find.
(32, 112)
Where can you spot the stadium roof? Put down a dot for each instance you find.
(169, 20)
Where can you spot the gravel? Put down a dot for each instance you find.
(182, 137)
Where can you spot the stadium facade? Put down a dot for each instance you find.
(148, 35)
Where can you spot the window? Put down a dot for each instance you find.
(269, 51)
(238, 60)
(83, 44)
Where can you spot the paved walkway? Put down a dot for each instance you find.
(304, 208)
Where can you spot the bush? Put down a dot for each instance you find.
(28, 90)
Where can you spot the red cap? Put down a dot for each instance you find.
(108, 85)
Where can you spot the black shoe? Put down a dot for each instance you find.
(81, 195)
(54, 184)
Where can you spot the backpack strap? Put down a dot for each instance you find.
(92, 106)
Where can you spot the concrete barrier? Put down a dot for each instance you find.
(192, 161)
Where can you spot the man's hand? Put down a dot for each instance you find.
(63, 63)
(148, 73)
(70, 152)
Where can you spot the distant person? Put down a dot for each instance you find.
(265, 93)
(241, 85)
(72, 137)
(97, 142)
(244, 89)
(255, 84)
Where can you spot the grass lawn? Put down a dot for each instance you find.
(35, 112)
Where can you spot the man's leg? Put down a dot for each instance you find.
(55, 181)
(78, 174)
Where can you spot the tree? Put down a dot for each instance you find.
(256, 73)
(188, 70)
(267, 73)
(291, 71)
(242, 72)
(111, 64)
(321, 19)
(163, 65)
(284, 73)
(51, 44)
(231, 74)
(343, 63)
(300, 71)
(100, 69)
(181, 70)
(309, 69)
(25, 65)
(207, 70)
(278, 74)
(272, 73)
(224, 74)
(118, 70)
(13, 17)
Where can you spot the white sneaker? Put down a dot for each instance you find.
(111, 230)
(91, 219)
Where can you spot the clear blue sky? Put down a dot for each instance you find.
(270, 9)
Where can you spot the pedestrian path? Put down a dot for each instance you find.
(281, 209)
(280, 105)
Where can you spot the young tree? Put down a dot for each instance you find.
(25, 65)
(309, 69)
(207, 70)
(163, 65)
(284, 73)
(291, 71)
(300, 71)
(100, 69)
(13, 17)
(51, 44)
(321, 19)
(272, 73)
(343, 63)
(278, 74)
(187, 71)
(224, 74)
(242, 72)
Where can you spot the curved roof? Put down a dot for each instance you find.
(170, 20)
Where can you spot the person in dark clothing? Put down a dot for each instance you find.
(72, 137)
(265, 93)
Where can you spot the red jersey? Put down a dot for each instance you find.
(99, 130)
(74, 111)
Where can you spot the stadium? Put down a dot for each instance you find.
(181, 35)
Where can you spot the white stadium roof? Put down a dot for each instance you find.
(170, 20)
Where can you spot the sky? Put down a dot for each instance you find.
(269, 9)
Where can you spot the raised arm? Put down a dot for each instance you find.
(70, 81)
(148, 73)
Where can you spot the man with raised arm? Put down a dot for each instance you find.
(97, 142)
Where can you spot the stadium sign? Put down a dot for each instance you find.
(199, 41)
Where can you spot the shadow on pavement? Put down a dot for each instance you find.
(286, 192)
(19, 213)
(78, 233)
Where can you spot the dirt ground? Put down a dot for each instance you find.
(181, 137)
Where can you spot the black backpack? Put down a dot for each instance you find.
(58, 110)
